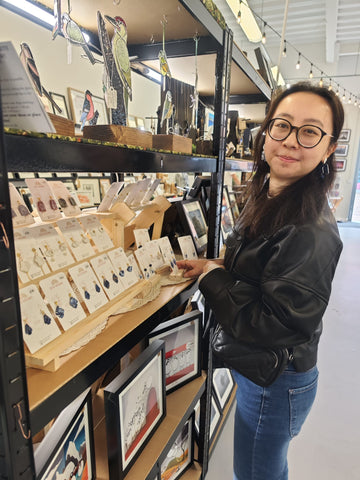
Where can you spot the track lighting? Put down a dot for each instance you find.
(238, 19)
(298, 62)
(263, 39)
(321, 81)
(311, 72)
(284, 51)
(330, 86)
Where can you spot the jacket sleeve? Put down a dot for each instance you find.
(286, 306)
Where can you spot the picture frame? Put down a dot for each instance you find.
(182, 338)
(344, 135)
(192, 217)
(340, 164)
(70, 436)
(135, 406)
(234, 206)
(264, 68)
(88, 191)
(341, 150)
(60, 100)
(180, 455)
(223, 384)
(227, 219)
(76, 100)
(215, 418)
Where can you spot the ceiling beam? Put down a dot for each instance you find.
(332, 8)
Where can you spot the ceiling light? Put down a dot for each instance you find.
(239, 17)
(263, 38)
(248, 21)
(311, 72)
(321, 82)
(298, 62)
(330, 86)
(355, 102)
(284, 51)
(33, 10)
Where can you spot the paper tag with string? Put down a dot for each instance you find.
(111, 97)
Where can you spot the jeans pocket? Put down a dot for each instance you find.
(301, 400)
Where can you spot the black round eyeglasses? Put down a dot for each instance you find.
(308, 136)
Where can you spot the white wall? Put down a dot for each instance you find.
(55, 73)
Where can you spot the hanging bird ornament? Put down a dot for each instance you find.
(28, 61)
(113, 86)
(75, 36)
(88, 112)
(167, 110)
(164, 64)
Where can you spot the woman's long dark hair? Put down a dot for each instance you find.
(302, 201)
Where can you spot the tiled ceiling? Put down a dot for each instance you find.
(326, 32)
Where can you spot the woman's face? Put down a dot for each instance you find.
(289, 161)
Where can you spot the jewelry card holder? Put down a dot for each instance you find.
(115, 220)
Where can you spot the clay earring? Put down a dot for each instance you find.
(59, 312)
(263, 155)
(38, 259)
(324, 169)
(72, 301)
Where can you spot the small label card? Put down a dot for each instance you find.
(30, 261)
(43, 199)
(167, 253)
(96, 231)
(19, 211)
(110, 196)
(65, 198)
(187, 247)
(128, 271)
(76, 238)
(39, 327)
(62, 300)
(88, 286)
(141, 237)
(145, 262)
(107, 276)
(52, 246)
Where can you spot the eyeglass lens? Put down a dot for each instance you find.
(307, 135)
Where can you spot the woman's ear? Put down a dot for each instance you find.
(331, 149)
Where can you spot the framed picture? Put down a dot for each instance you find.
(182, 338)
(234, 206)
(223, 384)
(180, 455)
(264, 68)
(197, 419)
(69, 445)
(192, 217)
(134, 407)
(88, 191)
(215, 418)
(340, 164)
(344, 135)
(342, 150)
(227, 220)
(76, 99)
(61, 102)
(198, 301)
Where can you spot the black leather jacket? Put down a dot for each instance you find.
(274, 291)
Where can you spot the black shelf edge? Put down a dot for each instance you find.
(32, 154)
(54, 404)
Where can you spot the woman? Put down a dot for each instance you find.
(274, 284)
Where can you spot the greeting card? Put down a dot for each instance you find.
(62, 300)
(39, 326)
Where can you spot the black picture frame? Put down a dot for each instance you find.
(340, 164)
(194, 223)
(182, 338)
(69, 444)
(344, 135)
(264, 67)
(135, 405)
(223, 385)
(179, 456)
(234, 206)
(215, 418)
(341, 150)
(60, 100)
(227, 219)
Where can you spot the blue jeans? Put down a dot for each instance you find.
(266, 419)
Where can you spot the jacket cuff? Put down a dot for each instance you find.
(215, 281)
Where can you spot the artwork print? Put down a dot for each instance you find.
(179, 457)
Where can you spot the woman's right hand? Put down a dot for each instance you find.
(193, 268)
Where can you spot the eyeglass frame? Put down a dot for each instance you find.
(292, 127)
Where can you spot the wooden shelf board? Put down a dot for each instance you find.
(42, 384)
(178, 404)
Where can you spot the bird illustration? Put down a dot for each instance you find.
(120, 51)
(88, 112)
(164, 64)
(28, 61)
(75, 36)
(111, 79)
(168, 107)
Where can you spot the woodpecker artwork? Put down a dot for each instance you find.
(28, 61)
(75, 36)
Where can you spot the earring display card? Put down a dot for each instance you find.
(52, 246)
(187, 247)
(141, 237)
(39, 327)
(124, 266)
(145, 262)
(96, 231)
(65, 198)
(109, 279)
(151, 190)
(30, 262)
(167, 253)
(19, 211)
(121, 198)
(76, 238)
(134, 267)
(43, 199)
(138, 191)
(110, 196)
(88, 286)
(62, 300)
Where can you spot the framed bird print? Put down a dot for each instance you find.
(77, 99)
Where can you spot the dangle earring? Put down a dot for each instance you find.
(263, 155)
(324, 169)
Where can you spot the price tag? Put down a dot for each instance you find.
(111, 97)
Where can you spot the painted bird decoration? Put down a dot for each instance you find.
(75, 36)
(88, 111)
(121, 54)
(28, 61)
(164, 64)
(168, 107)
